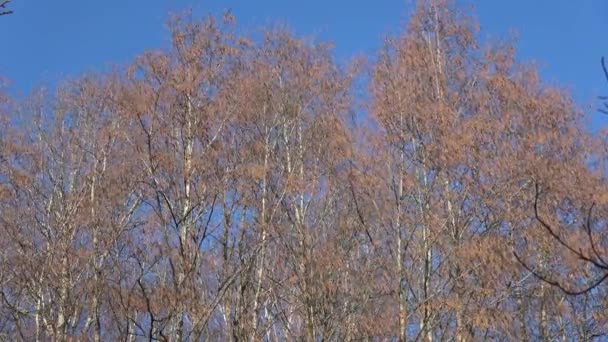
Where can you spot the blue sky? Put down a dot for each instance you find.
(44, 41)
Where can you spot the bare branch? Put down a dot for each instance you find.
(3, 5)
(551, 231)
(598, 263)
(604, 98)
(555, 283)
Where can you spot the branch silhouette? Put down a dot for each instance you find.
(3, 10)
(594, 259)
(604, 110)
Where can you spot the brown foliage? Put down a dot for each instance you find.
(220, 190)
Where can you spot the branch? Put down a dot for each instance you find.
(557, 284)
(590, 236)
(358, 210)
(3, 5)
(603, 61)
(604, 98)
(598, 263)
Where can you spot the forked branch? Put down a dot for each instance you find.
(595, 259)
(3, 9)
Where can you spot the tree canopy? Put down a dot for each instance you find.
(231, 187)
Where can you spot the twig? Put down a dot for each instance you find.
(596, 260)
(3, 4)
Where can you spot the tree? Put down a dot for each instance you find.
(590, 252)
(237, 187)
(463, 135)
(179, 104)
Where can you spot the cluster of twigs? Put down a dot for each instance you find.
(3, 9)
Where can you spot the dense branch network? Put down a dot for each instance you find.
(222, 189)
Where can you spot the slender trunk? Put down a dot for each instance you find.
(439, 75)
(38, 313)
(562, 326)
(94, 316)
(544, 332)
(426, 281)
(289, 172)
(423, 207)
(543, 315)
(264, 223)
(306, 270)
(460, 326)
(131, 329)
(402, 295)
(61, 323)
(186, 207)
(349, 324)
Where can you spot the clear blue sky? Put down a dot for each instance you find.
(46, 40)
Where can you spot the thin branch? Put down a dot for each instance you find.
(358, 210)
(557, 284)
(590, 235)
(604, 98)
(604, 68)
(3, 5)
(545, 225)
(599, 263)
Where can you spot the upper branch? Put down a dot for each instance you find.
(596, 259)
(604, 98)
(3, 10)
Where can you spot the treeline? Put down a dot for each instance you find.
(230, 188)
